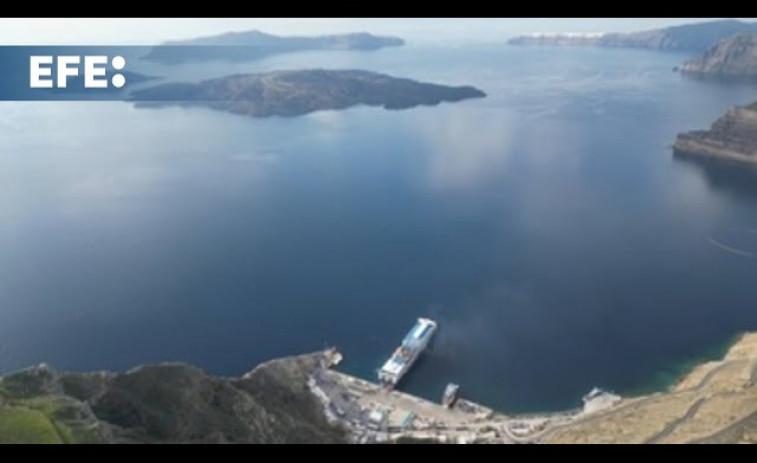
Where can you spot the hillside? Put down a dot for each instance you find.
(715, 403)
(735, 57)
(165, 403)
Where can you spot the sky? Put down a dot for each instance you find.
(141, 31)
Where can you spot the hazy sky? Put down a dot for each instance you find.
(150, 31)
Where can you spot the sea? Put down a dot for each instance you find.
(547, 228)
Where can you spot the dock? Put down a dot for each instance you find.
(372, 413)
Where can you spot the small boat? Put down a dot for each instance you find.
(450, 395)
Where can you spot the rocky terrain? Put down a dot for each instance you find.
(735, 57)
(715, 403)
(294, 93)
(733, 137)
(165, 403)
(247, 45)
(697, 37)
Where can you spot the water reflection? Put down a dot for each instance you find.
(465, 145)
(735, 179)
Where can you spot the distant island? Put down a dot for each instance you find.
(732, 58)
(733, 137)
(696, 38)
(241, 46)
(294, 93)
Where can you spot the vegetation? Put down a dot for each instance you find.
(20, 425)
(164, 403)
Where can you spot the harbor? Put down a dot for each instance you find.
(378, 412)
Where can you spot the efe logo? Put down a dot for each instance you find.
(95, 70)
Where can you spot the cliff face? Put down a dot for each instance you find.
(733, 57)
(733, 137)
(690, 37)
(165, 403)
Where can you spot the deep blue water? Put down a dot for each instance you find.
(547, 228)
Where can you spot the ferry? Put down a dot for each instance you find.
(406, 354)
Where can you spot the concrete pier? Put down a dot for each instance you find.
(372, 413)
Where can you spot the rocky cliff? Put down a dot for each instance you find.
(735, 57)
(733, 137)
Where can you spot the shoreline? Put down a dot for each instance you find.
(719, 353)
(717, 390)
(673, 373)
(713, 400)
(715, 396)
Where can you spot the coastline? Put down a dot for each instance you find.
(716, 353)
(662, 380)
(715, 396)
(669, 377)
(716, 401)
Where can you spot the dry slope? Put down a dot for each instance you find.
(716, 402)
